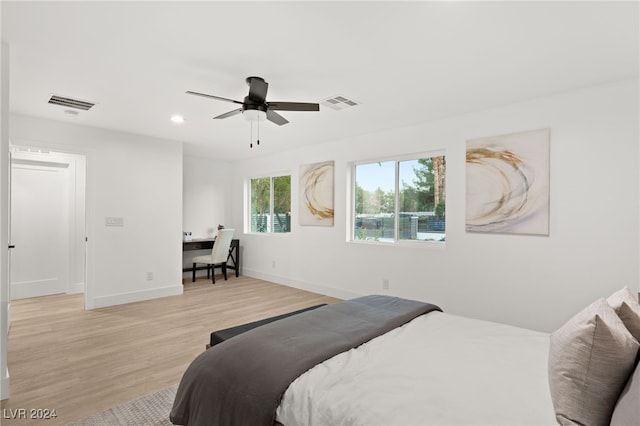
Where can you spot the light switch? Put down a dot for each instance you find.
(114, 221)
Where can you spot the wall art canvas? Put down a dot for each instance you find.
(507, 183)
(316, 194)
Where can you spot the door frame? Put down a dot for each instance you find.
(4, 220)
(89, 204)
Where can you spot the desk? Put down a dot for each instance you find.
(207, 243)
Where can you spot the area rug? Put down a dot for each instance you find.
(149, 410)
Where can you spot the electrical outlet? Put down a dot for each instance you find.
(149, 276)
(385, 284)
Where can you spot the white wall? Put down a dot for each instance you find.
(206, 203)
(530, 281)
(133, 177)
(205, 199)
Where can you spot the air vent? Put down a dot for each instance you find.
(339, 102)
(70, 102)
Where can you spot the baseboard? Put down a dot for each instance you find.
(76, 288)
(4, 386)
(35, 288)
(302, 285)
(5, 313)
(134, 296)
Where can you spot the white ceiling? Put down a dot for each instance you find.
(405, 62)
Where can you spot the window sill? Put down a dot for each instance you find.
(403, 243)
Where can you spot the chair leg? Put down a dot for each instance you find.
(224, 270)
(213, 274)
(193, 277)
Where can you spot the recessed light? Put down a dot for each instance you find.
(177, 118)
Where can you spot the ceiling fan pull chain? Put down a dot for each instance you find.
(251, 135)
(258, 140)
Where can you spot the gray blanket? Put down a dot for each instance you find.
(241, 381)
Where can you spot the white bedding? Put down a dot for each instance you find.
(439, 369)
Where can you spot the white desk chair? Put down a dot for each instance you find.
(219, 255)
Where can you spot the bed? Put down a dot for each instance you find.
(439, 369)
(426, 367)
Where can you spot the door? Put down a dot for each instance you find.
(39, 228)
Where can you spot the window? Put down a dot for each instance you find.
(270, 204)
(400, 200)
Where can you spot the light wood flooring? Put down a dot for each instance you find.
(81, 362)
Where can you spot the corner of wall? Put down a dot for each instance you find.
(5, 319)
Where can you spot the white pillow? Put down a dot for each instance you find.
(626, 305)
(590, 360)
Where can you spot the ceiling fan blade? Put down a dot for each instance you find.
(229, 114)
(257, 89)
(294, 106)
(274, 117)
(204, 95)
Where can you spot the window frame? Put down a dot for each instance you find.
(248, 203)
(397, 159)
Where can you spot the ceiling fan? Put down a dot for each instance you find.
(255, 106)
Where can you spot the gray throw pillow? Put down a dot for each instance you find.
(590, 360)
(626, 305)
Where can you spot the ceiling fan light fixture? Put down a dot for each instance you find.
(254, 115)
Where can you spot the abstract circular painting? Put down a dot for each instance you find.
(316, 194)
(507, 183)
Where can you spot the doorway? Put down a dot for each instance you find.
(47, 223)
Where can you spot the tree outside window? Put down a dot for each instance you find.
(271, 204)
(400, 200)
